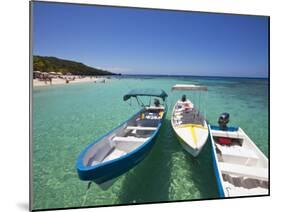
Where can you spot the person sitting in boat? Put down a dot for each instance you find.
(156, 102)
(187, 106)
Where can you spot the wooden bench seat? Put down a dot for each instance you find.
(237, 151)
(129, 139)
(244, 171)
(141, 128)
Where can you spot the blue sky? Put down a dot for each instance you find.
(140, 41)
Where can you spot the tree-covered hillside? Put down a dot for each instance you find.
(53, 64)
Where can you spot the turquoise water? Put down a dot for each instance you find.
(66, 118)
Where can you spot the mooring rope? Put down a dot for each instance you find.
(85, 196)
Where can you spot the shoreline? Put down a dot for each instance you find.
(59, 81)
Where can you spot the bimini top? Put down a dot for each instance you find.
(146, 92)
(190, 87)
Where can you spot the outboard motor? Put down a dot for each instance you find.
(223, 121)
(183, 98)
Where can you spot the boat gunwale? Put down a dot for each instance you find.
(80, 166)
(219, 178)
(255, 146)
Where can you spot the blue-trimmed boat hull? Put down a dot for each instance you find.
(260, 162)
(215, 164)
(109, 170)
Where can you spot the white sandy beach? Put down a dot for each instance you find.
(59, 81)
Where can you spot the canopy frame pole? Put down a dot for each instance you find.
(199, 102)
(129, 103)
(139, 101)
(206, 102)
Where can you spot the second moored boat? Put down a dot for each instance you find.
(241, 168)
(188, 123)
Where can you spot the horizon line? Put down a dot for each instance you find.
(181, 75)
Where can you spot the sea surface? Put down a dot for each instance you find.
(67, 118)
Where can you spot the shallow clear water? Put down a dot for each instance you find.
(66, 118)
